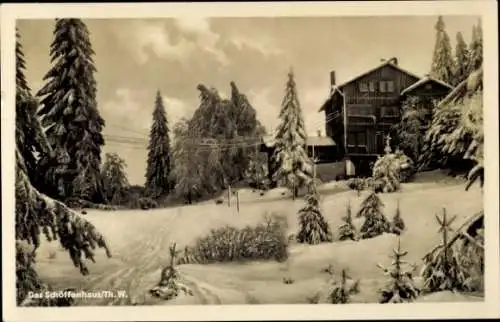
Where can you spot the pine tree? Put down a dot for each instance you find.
(462, 64)
(28, 128)
(443, 268)
(375, 223)
(342, 290)
(398, 224)
(295, 167)
(476, 48)
(347, 230)
(313, 227)
(158, 178)
(38, 214)
(442, 61)
(115, 182)
(387, 170)
(70, 111)
(400, 287)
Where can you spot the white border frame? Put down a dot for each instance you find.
(485, 9)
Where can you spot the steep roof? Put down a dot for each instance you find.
(338, 88)
(427, 79)
(385, 63)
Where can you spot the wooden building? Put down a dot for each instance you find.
(360, 113)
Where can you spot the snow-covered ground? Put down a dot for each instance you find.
(139, 242)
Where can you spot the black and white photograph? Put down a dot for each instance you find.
(244, 159)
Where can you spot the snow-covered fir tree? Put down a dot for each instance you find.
(70, 112)
(387, 170)
(443, 268)
(27, 131)
(400, 287)
(375, 223)
(476, 48)
(342, 289)
(38, 215)
(313, 227)
(462, 64)
(347, 231)
(442, 60)
(159, 165)
(295, 167)
(398, 225)
(115, 182)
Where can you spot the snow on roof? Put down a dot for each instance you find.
(423, 81)
(334, 90)
(385, 63)
(338, 88)
(320, 141)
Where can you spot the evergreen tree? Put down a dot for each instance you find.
(313, 227)
(398, 224)
(442, 61)
(347, 230)
(71, 115)
(400, 288)
(115, 182)
(375, 223)
(158, 178)
(38, 214)
(28, 129)
(295, 167)
(387, 170)
(476, 48)
(462, 64)
(342, 290)
(443, 269)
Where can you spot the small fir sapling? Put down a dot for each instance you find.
(313, 227)
(375, 223)
(387, 170)
(443, 269)
(168, 287)
(398, 225)
(343, 289)
(400, 287)
(347, 230)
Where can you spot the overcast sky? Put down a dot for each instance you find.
(135, 58)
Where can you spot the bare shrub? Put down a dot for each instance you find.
(265, 241)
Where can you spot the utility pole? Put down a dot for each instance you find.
(314, 164)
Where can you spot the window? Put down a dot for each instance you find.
(360, 110)
(363, 87)
(356, 139)
(361, 139)
(428, 86)
(386, 86)
(382, 86)
(390, 86)
(372, 86)
(351, 139)
(389, 111)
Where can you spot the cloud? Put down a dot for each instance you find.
(146, 38)
(262, 45)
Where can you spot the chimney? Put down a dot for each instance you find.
(394, 60)
(332, 78)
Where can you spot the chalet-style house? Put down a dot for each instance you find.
(360, 112)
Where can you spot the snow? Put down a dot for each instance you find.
(139, 242)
